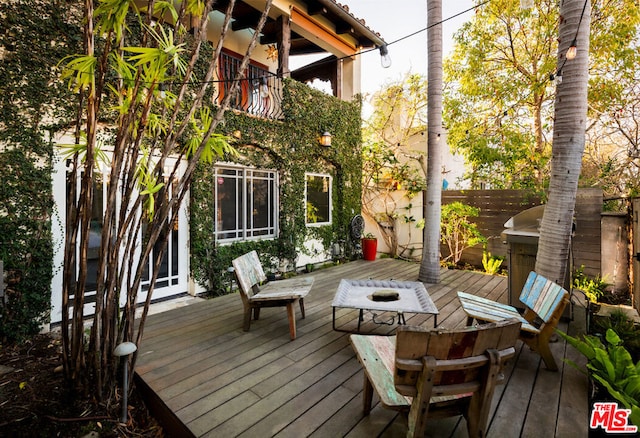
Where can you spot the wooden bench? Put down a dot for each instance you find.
(544, 303)
(255, 293)
(437, 373)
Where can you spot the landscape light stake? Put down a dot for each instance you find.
(124, 350)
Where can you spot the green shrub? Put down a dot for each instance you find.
(593, 288)
(457, 232)
(491, 264)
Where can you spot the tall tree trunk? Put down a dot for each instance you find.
(568, 141)
(430, 265)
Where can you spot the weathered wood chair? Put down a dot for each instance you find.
(544, 303)
(437, 373)
(255, 294)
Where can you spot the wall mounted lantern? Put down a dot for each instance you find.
(325, 139)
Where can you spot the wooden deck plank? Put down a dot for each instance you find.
(374, 424)
(316, 407)
(268, 416)
(221, 381)
(545, 398)
(511, 413)
(573, 409)
(344, 419)
(216, 390)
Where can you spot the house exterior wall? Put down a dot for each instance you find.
(344, 124)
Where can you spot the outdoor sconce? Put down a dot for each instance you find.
(124, 350)
(325, 139)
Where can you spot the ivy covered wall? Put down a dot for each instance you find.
(291, 147)
(34, 105)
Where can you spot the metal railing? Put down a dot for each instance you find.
(259, 94)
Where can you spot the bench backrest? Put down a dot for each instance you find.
(459, 354)
(249, 272)
(542, 296)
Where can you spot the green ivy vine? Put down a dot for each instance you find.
(34, 105)
(291, 147)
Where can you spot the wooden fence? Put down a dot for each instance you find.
(497, 206)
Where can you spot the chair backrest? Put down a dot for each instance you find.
(249, 272)
(542, 296)
(458, 356)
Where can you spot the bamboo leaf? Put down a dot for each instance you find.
(80, 71)
(161, 8)
(111, 16)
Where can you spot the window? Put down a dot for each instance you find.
(318, 199)
(246, 204)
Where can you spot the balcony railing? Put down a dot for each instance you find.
(260, 94)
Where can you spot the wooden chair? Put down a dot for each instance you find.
(255, 294)
(437, 373)
(544, 303)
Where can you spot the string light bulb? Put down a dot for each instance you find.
(385, 59)
(573, 50)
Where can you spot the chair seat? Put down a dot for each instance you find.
(487, 310)
(291, 289)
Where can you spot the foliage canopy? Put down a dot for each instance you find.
(499, 101)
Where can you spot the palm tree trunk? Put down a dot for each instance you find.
(568, 142)
(430, 265)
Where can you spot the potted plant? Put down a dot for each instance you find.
(369, 246)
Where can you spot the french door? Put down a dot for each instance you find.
(172, 278)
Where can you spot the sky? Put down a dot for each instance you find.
(394, 20)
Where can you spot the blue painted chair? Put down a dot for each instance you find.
(544, 303)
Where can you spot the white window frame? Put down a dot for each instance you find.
(244, 229)
(306, 202)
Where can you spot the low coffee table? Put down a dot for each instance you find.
(412, 297)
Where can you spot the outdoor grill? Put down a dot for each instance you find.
(522, 233)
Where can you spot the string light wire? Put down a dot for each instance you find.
(554, 76)
(326, 61)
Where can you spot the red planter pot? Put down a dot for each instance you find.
(369, 248)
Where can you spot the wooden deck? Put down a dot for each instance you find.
(219, 381)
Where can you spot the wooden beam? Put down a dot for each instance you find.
(316, 9)
(249, 21)
(322, 33)
(284, 45)
(343, 27)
